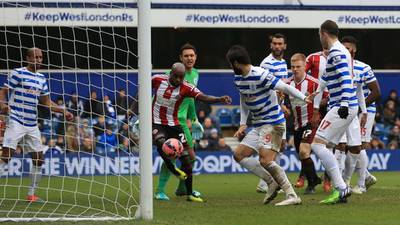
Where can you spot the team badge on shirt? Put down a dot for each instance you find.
(337, 58)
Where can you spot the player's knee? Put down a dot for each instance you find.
(37, 162)
(266, 159)
(238, 155)
(304, 154)
(37, 159)
(305, 150)
(318, 140)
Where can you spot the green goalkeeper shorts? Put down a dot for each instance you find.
(188, 134)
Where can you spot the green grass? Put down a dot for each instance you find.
(231, 199)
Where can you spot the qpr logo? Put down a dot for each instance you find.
(337, 59)
(253, 87)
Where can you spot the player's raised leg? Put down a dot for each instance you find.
(243, 155)
(170, 90)
(160, 135)
(270, 138)
(188, 57)
(181, 189)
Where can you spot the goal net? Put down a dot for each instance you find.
(90, 167)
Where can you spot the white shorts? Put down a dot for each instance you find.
(16, 132)
(284, 135)
(367, 130)
(352, 136)
(267, 136)
(332, 127)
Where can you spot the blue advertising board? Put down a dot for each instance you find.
(222, 162)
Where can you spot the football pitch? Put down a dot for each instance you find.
(232, 199)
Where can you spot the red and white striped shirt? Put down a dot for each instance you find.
(303, 113)
(168, 98)
(316, 64)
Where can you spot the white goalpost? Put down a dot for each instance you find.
(97, 64)
(144, 46)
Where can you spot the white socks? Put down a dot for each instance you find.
(262, 184)
(36, 176)
(362, 165)
(253, 165)
(340, 157)
(280, 177)
(330, 163)
(351, 161)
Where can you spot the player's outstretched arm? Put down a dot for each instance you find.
(45, 100)
(213, 99)
(281, 86)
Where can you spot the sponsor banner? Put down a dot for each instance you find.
(207, 163)
(212, 18)
(275, 18)
(230, 2)
(68, 17)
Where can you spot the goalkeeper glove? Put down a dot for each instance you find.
(197, 130)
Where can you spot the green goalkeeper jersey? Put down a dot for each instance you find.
(187, 109)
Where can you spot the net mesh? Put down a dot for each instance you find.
(91, 166)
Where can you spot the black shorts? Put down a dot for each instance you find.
(303, 135)
(169, 132)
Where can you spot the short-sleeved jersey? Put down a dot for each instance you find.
(364, 75)
(303, 113)
(168, 98)
(316, 64)
(25, 89)
(339, 77)
(257, 94)
(277, 67)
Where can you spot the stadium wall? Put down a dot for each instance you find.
(84, 164)
(212, 82)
